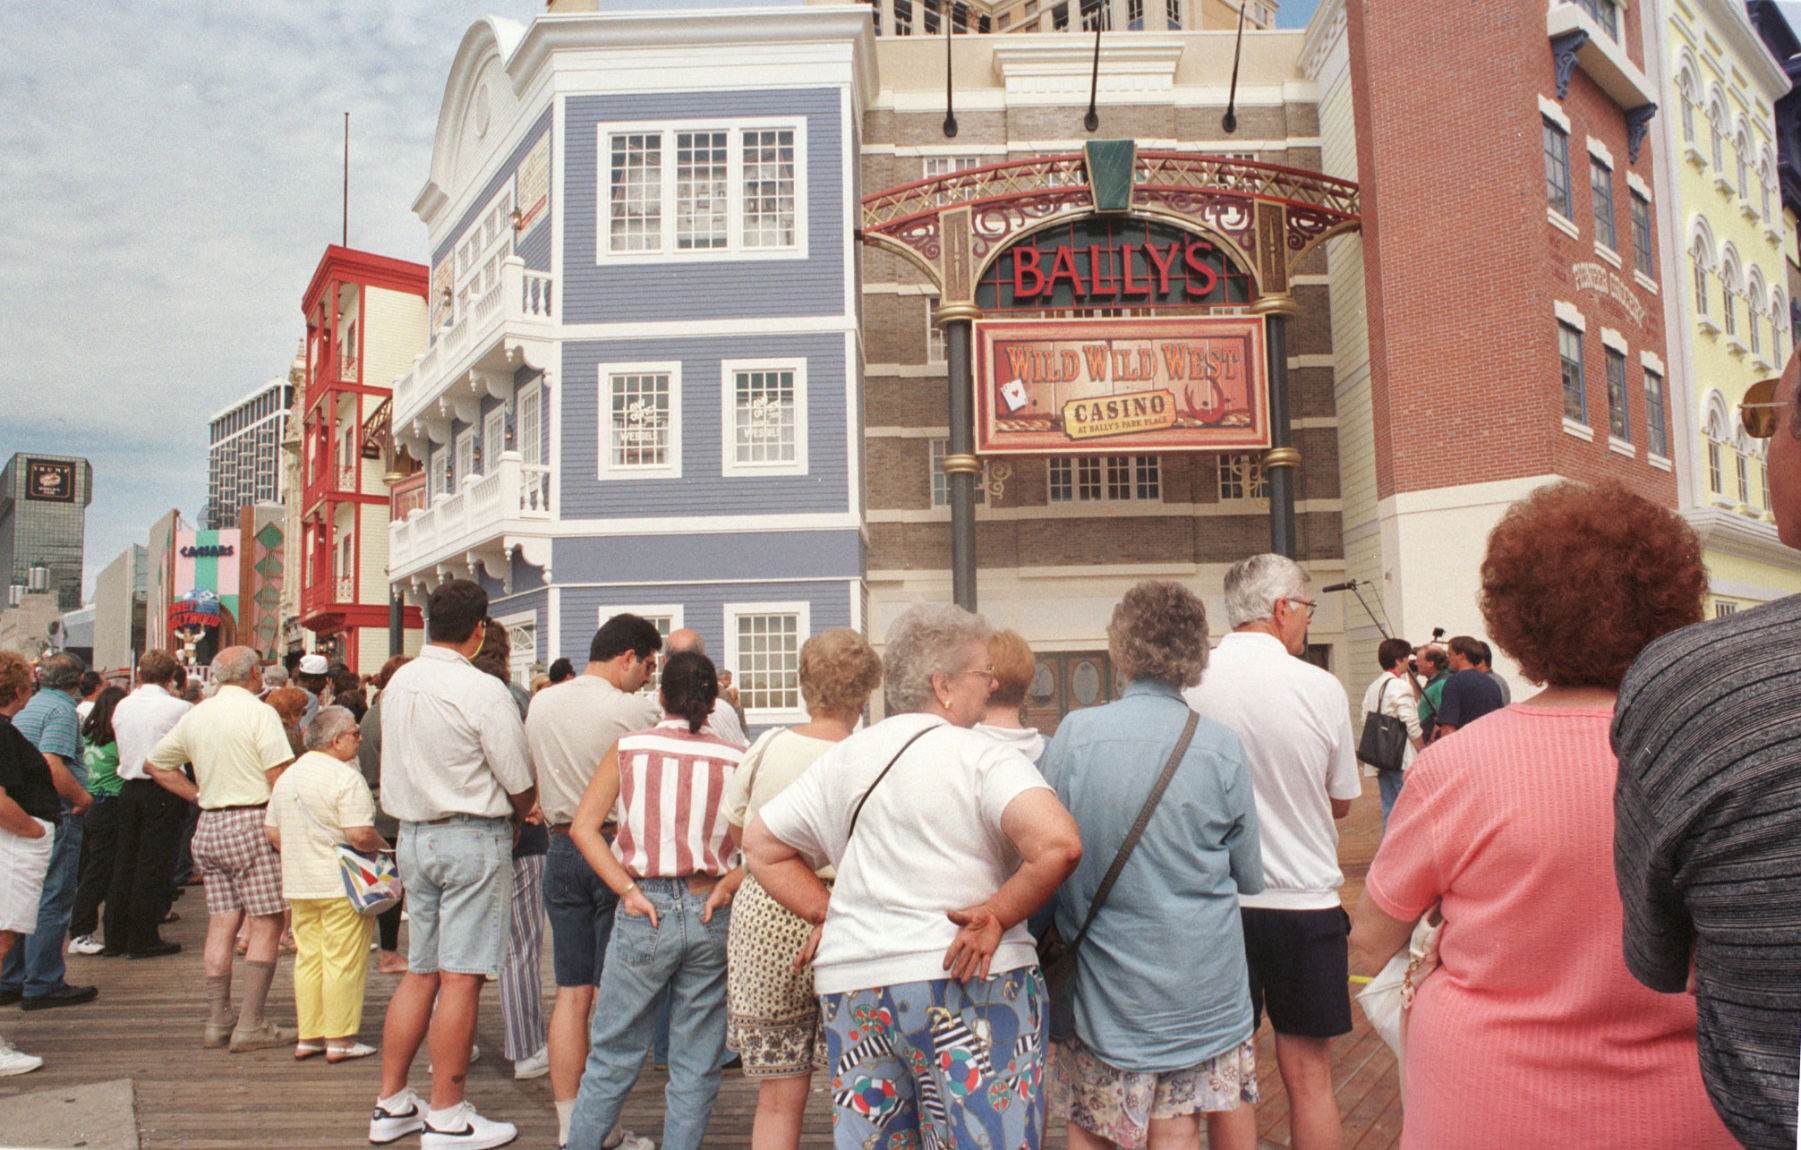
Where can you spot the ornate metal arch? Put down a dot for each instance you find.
(950, 226)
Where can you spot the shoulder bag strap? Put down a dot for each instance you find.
(878, 781)
(1137, 831)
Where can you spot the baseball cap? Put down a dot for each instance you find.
(314, 665)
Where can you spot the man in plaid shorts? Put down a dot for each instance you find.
(238, 749)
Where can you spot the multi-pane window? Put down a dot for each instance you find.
(530, 422)
(1135, 15)
(903, 17)
(479, 254)
(635, 192)
(941, 483)
(1569, 352)
(1557, 168)
(1606, 14)
(769, 188)
(1744, 477)
(1096, 14)
(494, 439)
(1728, 318)
(1113, 478)
(1717, 129)
(1657, 435)
(1763, 197)
(725, 188)
(1600, 183)
(1641, 234)
(700, 190)
(1744, 169)
(1172, 13)
(465, 455)
(1752, 324)
(1698, 265)
(1688, 109)
(1716, 481)
(1241, 476)
(1617, 427)
(934, 332)
(1763, 477)
(763, 416)
(768, 661)
(1722, 609)
(638, 411)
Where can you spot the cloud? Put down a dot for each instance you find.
(173, 173)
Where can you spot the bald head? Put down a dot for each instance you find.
(686, 639)
(235, 666)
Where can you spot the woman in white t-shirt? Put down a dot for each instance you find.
(319, 802)
(774, 1022)
(957, 839)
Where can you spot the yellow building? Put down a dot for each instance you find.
(1723, 232)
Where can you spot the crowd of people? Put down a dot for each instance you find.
(1611, 860)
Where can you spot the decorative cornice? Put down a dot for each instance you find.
(1733, 534)
(1638, 122)
(1563, 53)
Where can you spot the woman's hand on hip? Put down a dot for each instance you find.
(979, 933)
(634, 903)
(811, 948)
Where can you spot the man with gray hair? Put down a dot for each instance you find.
(275, 677)
(34, 970)
(1295, 722)
(238, 749)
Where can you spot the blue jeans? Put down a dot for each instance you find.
(1389, 782)
(580, 909)
(687, 956)
(35, 964)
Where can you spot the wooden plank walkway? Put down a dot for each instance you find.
(146, 1026)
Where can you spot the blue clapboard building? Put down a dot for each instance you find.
(642, 387)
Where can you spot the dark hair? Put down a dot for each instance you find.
(157, 667)
(620, 634)
(561, 669)
(1470, 648)
(344, 680)
(456, 608)
(394, 663)
(495, 654)
(98, 729)
(180, 677)
(1578, 579)
(1486, 655)
(1392, 651)
(690, 687)
(90, 682)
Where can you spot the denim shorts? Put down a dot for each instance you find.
(459, 878)
(580, 908)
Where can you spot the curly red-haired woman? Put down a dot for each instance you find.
(1532, 1032)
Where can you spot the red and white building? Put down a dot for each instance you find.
(365, 321)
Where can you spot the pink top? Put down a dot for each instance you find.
(1531, 1032)
(671, 784)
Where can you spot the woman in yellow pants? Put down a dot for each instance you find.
(319, 802)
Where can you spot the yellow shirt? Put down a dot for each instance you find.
(311, 804)
(232, 739)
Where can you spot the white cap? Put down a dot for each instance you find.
(314, 665)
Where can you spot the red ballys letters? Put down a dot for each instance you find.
(1098, 274)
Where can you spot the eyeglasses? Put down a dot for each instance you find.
(1310, 604)
(985, 672)
(1757, 411)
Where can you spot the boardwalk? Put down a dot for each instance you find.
(146, 1027)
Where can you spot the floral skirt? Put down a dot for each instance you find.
(1118, 1105)
(774, 1018)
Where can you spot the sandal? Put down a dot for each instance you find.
(336, 1054)
(306, 1050)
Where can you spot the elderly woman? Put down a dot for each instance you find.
(774, 1015)
(944, 841)
(1532, 1032)
(1155, 1044)
(319, 802)
(672, 864)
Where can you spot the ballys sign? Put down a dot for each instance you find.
(1106, 261)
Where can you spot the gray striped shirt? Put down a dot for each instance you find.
(1707, 849)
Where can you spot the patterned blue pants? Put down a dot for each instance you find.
(939, 1064)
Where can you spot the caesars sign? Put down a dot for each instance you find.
(1185, 383)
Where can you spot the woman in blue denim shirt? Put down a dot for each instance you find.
(1162, 1025)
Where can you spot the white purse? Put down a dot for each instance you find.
(1388, 998)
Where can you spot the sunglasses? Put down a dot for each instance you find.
(1757, 411)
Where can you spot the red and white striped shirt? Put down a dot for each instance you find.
(671, 787)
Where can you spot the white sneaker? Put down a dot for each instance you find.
(390, 1125)
(467, 1130)
(86, 944)
(16, 1061)
(533, 1065)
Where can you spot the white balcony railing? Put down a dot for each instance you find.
(487, 508)
(521, 299)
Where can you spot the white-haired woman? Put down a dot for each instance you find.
(1154, 1045)
(944, 841)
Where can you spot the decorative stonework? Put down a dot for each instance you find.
(1563, 52)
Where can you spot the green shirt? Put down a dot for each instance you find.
(1434, 692)
(103, 770)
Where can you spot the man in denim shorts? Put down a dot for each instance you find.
(456, 772)
(238, 749)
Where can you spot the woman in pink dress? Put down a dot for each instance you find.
(1531, 1032)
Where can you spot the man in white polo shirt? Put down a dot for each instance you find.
(1295, 722)
(456, 772)
(150, 817)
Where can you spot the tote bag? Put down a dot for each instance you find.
(371, 881)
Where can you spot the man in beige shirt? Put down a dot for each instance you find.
(571, 728)
(238, 749)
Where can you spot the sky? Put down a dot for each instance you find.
(174, 173)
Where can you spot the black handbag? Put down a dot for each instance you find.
(1383, 744)
(1057, 958)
